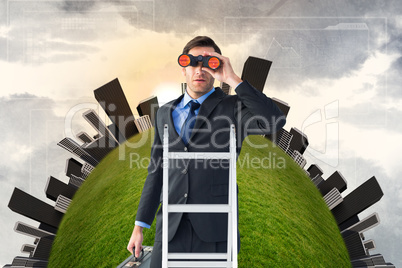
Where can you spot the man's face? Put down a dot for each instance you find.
(198, 82)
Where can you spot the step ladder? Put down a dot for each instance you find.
(228, 259)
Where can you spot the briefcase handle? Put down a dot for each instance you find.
(139, 257)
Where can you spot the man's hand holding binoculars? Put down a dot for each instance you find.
(215, 64)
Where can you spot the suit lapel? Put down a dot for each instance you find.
(172, 129)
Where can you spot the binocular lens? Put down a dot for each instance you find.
(214, 63)
(184, 60)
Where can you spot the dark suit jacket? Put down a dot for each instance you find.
(204, 181)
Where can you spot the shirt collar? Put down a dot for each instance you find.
(200, 100)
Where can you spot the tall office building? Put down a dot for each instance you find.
(376, 260)
(75, 181)
(299, 159)
(115, 132)
(255, 71)
(19, 262)
(96, 122)
(143, 123)
(299, 140)
(84, 137)
(355, 202)
(354, 245)
(149, 107)
(317, 179)
(86, 170)
(75, 149)
(43, 248)
(26, 248)
(314, 170)
(99, 148)
(30, 230)
(35, 209)
(73, 167)
(283, 106)
(282, 138)
(225, 88)
(365, 224)
(44, 240)
(336, 180)
(62, 203)
(54, 188)
(112, 99)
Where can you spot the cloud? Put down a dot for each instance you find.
(77, 6)
(4, 31)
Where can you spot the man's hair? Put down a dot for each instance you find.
(201, 41)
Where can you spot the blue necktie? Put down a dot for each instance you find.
(188, 125)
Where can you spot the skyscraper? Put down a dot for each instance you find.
(355, 202)
(255, 71)
(143, 123)
(73, 167)
(299, 141)
(283, 106)
(99, 148)
(84, 137)
(225, 88)
(149, 107)
(336, 180)
(282, 138)
(54, 188)
(35, 209)
(86, 170)
(112, 99)
(96, 122)
(74, 148)
(298, 158)
(314, 170)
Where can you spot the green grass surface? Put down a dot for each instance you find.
(283, 219)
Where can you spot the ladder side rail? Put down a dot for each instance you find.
(165, 199)
(232, 177)
(230, 204)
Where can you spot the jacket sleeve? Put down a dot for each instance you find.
(256, 113)
(150, 197)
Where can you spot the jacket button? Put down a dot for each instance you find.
(185, 149)
(185, 195)
(184, 171)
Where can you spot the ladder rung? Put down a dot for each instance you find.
(199, 155)
(198, 256)
(200, 208)
(189, 264)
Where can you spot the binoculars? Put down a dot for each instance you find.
(211, 62)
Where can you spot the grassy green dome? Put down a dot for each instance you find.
(283, 219)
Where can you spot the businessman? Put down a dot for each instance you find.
(199, 121)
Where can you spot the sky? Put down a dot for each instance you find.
(337, 65)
